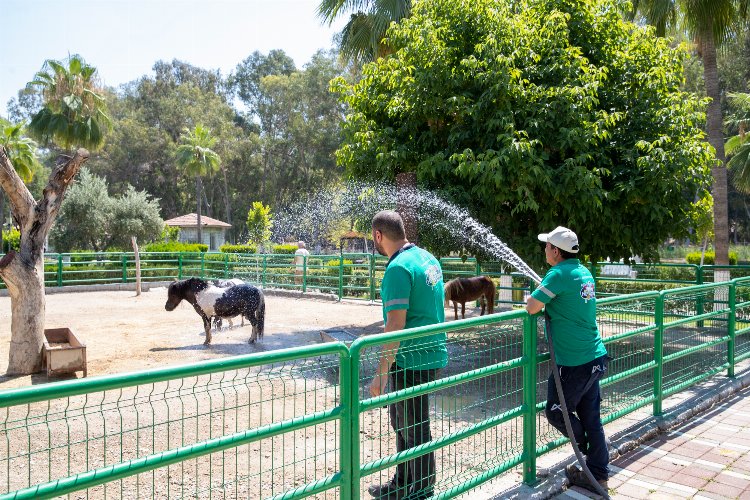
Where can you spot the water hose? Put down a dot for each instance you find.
(564, 409)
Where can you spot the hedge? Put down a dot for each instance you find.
(227, 248)
(708, 259)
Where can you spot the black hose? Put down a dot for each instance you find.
(564, 409)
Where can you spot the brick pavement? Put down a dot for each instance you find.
(707, 457)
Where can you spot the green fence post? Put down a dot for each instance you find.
(263, 276)
(179, 266)
(529, 399)
(731, 327)
(341, 276)
(226, 265)
(59, 269)
(124, 268)
(348, 412)
(304, 273)
(658, 353)
(372, 277)
(203, 264)
(699, 300)
(354, 355)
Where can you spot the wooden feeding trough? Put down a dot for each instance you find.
(63, 352)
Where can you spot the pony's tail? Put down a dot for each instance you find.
(261, 315)
(491, 297)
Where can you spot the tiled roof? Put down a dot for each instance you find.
(191, 220)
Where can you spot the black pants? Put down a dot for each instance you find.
(582, 396)
(410, 419)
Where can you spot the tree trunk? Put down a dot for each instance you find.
(227, 200)
(198, 185)
(2, 219)
(23, 271)
(406, 204)
(134, 240)
(714, 129)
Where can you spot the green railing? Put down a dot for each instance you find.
(299, 422)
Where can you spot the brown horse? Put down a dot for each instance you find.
(467, 289)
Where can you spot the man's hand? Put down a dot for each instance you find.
(534, 306)
(377, 386)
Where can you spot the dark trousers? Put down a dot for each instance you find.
(410, 419)
(582, 396)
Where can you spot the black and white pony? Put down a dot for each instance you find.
(212, 301)
(227, 284)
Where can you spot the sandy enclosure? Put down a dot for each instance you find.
(124, 332)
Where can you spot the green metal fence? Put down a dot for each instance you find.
(300, 422)
(355, 276)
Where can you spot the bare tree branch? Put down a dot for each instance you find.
(58, 182)
(20, 198)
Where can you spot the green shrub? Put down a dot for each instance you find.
(11, 240)
(708, 259)
(227, 248)
(175, 246)
(288, 248)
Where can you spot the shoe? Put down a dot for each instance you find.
(578, 478)
(388, 491)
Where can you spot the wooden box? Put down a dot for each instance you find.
(63, 352)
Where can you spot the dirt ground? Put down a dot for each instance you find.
(114, 323)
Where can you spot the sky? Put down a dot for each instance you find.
(124, 38)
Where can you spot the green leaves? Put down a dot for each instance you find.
(538, 114)
(74, 108)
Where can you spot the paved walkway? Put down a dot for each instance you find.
(706, 457)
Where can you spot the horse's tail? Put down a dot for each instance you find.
(490, 296)
(261, 314)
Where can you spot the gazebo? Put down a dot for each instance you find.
(354, 242)
(213, 230)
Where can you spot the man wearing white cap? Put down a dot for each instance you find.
(567, 292)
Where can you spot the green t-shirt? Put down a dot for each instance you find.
(413, 281)
(567, 291)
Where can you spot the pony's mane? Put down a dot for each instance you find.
(453, 287)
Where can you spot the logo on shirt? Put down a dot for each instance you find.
(433, 275)
(587, 291)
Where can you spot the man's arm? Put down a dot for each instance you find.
(534, 306)
(396, 320)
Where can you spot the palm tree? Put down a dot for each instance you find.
(361, 40)
(710, 23)
(196, 157)
(22, 153)
(738, 146)
(74, 108)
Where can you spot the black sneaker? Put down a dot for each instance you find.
(578, 478)
(388, 491)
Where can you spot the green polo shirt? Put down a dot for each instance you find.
(567, 291)
(413, 281)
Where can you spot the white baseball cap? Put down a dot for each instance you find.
(562, 238)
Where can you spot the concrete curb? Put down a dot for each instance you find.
(556, 481)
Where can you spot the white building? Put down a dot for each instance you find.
(213, 233)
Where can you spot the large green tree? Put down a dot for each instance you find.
(533, 115)
(196, 158)
(711, 23)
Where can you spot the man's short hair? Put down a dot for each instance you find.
(301, 244)
(565, 254)
(390, 224)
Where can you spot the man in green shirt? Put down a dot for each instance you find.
(567, 292)
(412, 295)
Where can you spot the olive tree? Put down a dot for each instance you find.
(534, 114)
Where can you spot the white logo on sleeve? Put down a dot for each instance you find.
(587, 291)
(434, 275)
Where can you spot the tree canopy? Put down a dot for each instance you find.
(536, 114)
